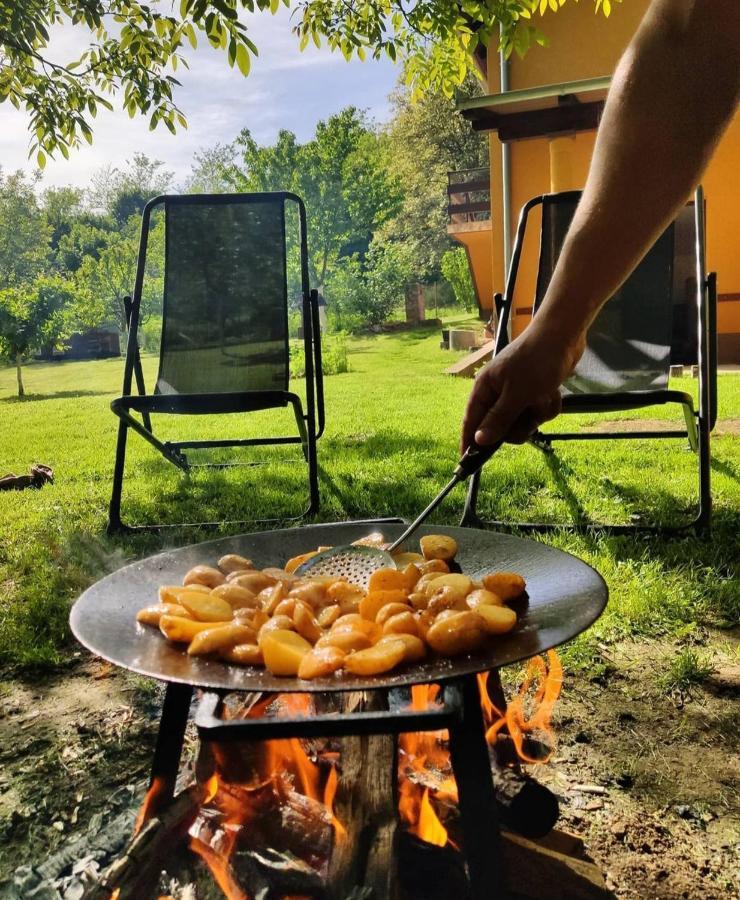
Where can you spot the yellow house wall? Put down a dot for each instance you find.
(478, 246)
(585, 45)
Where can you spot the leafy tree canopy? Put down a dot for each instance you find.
(134, 47)
(24, 232)
(35, 315)
(341, 174)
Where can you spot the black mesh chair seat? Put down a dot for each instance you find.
(666, 307)
(224, 346)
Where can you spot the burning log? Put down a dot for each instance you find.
(135, 873)
(364, 855)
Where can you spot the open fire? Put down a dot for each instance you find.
(280, 794)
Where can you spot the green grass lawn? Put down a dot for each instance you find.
(390, 443)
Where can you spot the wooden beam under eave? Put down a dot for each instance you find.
(567, 117)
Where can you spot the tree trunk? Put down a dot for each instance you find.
(19, 375)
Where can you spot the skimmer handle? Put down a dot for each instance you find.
(473, 458)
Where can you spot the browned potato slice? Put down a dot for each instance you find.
(419, 600)
(371, 605)
(446, 598)
(232, 562)
(415, 648)
(411, 576)
(270, 597)
(508, 585)
(292, 564)
(458, 585)
(255, 581)
(244, 655)
(403, 623)
(438, 546)
(283, 651)
(151, 615)
(348, 619)
(423, 583)
(170, 593)
(311, 592)
(371, 629)
(220, 638)
(305, 624)
(434, 565)
(390, 609)
(383, 657)
(329, 615)
(180, 630)
(496, 619)
(386, 580)
(321, 662)
(233, 576)
(236, 596)
(482, 597)
(286, 607)
(204, 575)
(255, 618)
(459, 633)
(347, 595)
(206, 607)
(276, 623)
(348, 641)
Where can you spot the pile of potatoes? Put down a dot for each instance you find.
(311, 627)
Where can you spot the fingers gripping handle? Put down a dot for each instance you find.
(474, 458)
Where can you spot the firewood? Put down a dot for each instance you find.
(364, 857)
(135, 872)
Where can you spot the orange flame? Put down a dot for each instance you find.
(150, 804)
(548, 678)
(219, 866)
(425, 775)
(330, 791)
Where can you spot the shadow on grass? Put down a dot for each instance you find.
(725, 468)
(59, 395)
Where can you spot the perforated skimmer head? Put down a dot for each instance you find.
(355, 563)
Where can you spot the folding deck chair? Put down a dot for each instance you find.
(627, 360)
(224, 345)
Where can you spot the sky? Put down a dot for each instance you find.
(285, 89)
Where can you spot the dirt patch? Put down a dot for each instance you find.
(723, 427)
(67, 742)
(650, 781)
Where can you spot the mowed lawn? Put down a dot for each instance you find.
(390, 443)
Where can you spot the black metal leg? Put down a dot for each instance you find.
(172, 723)
(114, 509)
(470, 516)
(705, 487)
(477, 801)
(141, 388)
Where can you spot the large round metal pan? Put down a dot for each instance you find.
(564, 597)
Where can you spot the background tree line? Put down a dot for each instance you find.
(376, 203)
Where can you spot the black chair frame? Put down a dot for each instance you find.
(310, 423)
(699, 422)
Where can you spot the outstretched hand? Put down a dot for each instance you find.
(519, 389)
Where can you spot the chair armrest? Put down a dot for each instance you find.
(503, 311)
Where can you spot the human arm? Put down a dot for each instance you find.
(673, 94)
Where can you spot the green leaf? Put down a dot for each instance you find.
(41, 159)
(242, 59)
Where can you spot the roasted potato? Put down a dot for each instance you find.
(180, 630)
(151, 615)
(222, 637)
(283, 651)
(438, 546)
(232, 562)
(206, 575)
(207, 607)
(459, 633)
(508, 585)
(321, 662)
(383, 657)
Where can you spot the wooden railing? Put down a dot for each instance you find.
(469, 196)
